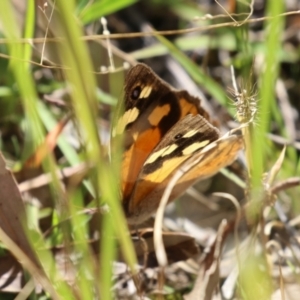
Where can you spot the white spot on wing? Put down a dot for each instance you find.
(194, 147)
(161, 153)
(190, 133)
(145, 91)
(128, 117)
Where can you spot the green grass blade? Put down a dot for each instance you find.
(195, 72)
(102, 8)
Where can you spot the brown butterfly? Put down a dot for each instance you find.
(162, 130)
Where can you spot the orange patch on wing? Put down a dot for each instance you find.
(158, 113)
(187, 108)
(135, 156)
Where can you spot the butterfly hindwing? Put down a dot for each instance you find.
(185, 138)
(204, 163)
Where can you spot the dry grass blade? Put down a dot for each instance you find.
(285, 184)
(73, 174)
(48, 145)
(276, 168)
(208, 276)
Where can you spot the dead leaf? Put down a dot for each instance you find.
(12, 212)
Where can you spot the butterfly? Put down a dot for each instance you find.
(161, 130)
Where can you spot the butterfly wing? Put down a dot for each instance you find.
(210, 160)
(204, 163)
(151, 108)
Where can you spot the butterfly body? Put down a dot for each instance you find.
(162, 129)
